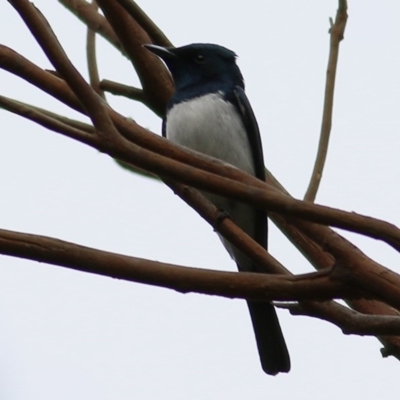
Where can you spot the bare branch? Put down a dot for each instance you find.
(120, 89)
(44, 35)
(321, 259)
(57, 123)
(88, 14)
(155, 79)
(183, 279)
(92, 59)
(336, 36)
(349, 321)
(228, 229)
(355, 265)
(18, 65)
(156, 34)
(229, 181)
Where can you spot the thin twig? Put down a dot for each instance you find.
(92, 59)
(57, 123)
(88, 14)
(336, 36)
(120, 89)
(349, 321)
(23, 109)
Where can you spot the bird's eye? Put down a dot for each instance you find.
(199, 59)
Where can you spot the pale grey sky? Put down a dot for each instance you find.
(69, 335)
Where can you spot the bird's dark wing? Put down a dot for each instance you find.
(164, 127)
(253, 133)
(271, 344)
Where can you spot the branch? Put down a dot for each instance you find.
(243, 285)
(229, 181)
(87, 13)
(337, 34)
(47, 40)
(51, 84)
(321, 259)
(352, 265)
(54, 122)
(264, 261)
(120, 89)
(349, 321)
(92, 59)
(157, 35)
(183, 279)
(155, 79)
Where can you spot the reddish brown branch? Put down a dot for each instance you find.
(155, 80)
(230, 181)
(56, 123)
(321, 259)
(42, 32)
(49, 83)
(120, 89)
(88, 14)
(156, 34)
(229, 230)
(183, 279)
(355, 266)
(349, 321)
(92, 59)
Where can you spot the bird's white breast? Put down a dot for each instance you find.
(212, 126)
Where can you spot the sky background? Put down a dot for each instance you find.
(71, 335)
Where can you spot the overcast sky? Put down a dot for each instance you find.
(70, 335)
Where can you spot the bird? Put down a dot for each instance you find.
(209, 112)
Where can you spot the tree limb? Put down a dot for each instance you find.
(336, 36)
(157, 35)
(87, 13)
(92, 59)
(183, 279)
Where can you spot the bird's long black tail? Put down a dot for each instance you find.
(271, 344)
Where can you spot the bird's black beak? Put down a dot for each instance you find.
(163, 52)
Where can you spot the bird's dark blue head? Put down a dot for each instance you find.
(203, 68)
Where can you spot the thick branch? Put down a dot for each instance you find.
(228, 229)
(157, 35)
(155, 80)
(315, 286)
(46, 38)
